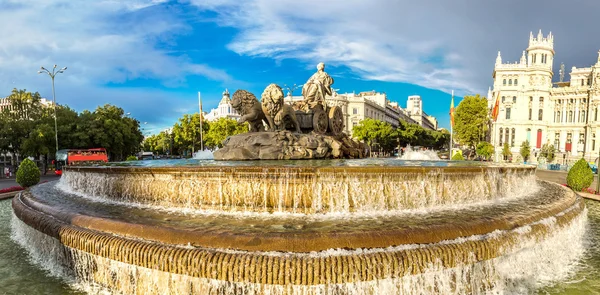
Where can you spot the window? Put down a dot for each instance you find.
(507, 113)
(593, 141)
(581, 138)
(556, 140)
(514, 99)
(504, 82)
(582, 119)
(533, 59)
(509, 82)
(503, 99)
(540, 114)
(512, 137)
(531, 99)
(596, 115)
(570, 116)
(506, 134)
(530, 111)
(557, 117)
(500, 138)
(516, 82)
(541, 100)
(354, 111)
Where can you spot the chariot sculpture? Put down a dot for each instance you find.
(310, 114)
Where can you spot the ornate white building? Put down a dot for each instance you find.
(532, 108)
(223, 110)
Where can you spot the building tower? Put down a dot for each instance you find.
(540, 52)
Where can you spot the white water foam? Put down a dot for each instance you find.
(203, 155)
(530, 265)
(426, 155)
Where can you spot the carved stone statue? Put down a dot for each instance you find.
(246, 104)
(278, 114)
(317, 87)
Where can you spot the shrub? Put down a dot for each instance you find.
(458, 157)
(580, 176)
(131, 158)
(28, 173)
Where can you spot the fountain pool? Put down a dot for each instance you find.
(338, 227)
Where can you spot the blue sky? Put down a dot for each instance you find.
(151, 57)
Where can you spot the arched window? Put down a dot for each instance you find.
(504, 82)
(540, 114)
(512, 137)
(506, 135)
(529, 135)
(509, 82)
(500, 137)
(516, 82)
(570, 116)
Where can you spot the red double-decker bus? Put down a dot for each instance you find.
(79, 157)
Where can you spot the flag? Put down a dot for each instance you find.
(452, 110)
(496, 109)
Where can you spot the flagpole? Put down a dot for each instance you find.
(201, 131)
(451, 129)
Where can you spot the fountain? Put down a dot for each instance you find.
(426, 155)
(365, 226)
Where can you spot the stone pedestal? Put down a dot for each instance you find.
(285, 145)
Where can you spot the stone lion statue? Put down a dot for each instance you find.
(246, 104)
(279, 115)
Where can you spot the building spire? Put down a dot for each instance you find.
(523, 58)
(499, 59)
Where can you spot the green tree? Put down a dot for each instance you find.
(506, 151)
(119, 134)
(525, 150)
(376, 132)
(547, 152)
(220, 129)
(186, 133)
(471, 120)
(485, 150)
(458, 157)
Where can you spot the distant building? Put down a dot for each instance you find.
(533, 109)
(414, 107)
(5, 103)
(373, 105)
(223, 110)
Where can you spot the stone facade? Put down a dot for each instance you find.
(533, 108)
(373, 105)
(223, 110)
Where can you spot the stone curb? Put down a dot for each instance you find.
(8, 195)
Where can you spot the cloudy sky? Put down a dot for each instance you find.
(151, 57)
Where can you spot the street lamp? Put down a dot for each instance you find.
(292, 89)
(52, 74)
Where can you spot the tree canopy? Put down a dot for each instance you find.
(471, 120)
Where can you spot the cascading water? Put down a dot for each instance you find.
(203, 155)
(304, 230)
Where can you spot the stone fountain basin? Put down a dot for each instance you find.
(49, 209)
(96, 239)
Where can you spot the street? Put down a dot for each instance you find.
(559, 177)
(8, 182)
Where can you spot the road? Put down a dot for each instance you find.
(8, 182)
(558, 177)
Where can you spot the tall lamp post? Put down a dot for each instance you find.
(52, 75)
(291, 90)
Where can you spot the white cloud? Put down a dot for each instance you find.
(437, 44)
(102, 42)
